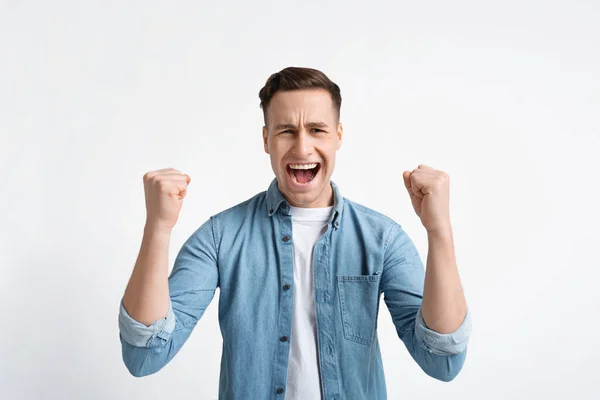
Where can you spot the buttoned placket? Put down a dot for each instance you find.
(324, 281)
(282, 224)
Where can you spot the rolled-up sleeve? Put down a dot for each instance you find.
(138, 334)
(192, 285)
(443, 344)
(441, 356)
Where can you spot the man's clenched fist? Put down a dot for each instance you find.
(165, 190)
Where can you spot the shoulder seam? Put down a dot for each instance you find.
(215, 233)
(393, 227)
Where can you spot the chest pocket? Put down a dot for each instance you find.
(359, 303)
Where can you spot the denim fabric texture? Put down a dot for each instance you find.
(247, 252)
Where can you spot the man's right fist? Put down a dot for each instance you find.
(165, 190)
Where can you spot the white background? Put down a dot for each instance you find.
(504, 96)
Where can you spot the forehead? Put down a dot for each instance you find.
(291, 105)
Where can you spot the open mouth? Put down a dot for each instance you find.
(303, 173)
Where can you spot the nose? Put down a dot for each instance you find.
(302, 144)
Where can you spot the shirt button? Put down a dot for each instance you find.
(279, 390)
(284, 338)
(283, 205)
(286, 238)
(286, 287)
(271, 211)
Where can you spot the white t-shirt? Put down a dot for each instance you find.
(303, 382)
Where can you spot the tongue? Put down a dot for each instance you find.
(303, 175)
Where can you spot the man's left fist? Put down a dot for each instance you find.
(429, 191)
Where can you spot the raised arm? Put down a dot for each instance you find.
(440, 355)
(158, 311)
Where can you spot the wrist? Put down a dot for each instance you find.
(155, 229)
(443, 232)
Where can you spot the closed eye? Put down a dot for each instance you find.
(313, 129)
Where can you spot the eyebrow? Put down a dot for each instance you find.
(315, 124)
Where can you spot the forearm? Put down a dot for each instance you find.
(444, 306)
(146, 297)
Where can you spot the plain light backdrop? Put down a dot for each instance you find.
(504, 96)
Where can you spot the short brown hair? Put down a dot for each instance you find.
(294, 78)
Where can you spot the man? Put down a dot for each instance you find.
(300, 269)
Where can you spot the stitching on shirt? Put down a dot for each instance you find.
(349, 331)
(215, 234)
(181, 326)
(388, 240)
(389, 237)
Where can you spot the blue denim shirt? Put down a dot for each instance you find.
(247, 252)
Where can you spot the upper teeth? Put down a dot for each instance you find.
(303, 166)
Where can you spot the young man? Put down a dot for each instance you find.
(300, 269)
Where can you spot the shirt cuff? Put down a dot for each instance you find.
(140, 335)
(443, 344)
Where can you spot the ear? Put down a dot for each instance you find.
(265, 139)
(340, 133)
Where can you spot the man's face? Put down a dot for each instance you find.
(302, 135)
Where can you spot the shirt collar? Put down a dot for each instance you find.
(275, 199)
